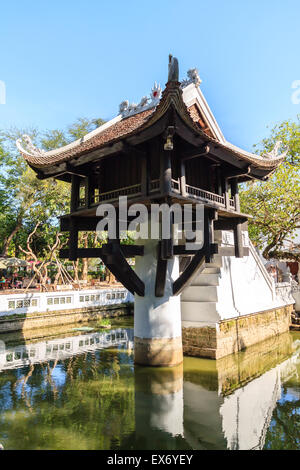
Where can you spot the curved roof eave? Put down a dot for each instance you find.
(121, 127)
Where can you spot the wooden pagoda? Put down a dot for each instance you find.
(168, 148)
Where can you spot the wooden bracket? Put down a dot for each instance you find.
(161, 272)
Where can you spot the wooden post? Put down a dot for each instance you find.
(87, 191)
(165, 172)
(182, 178)
(75, 181)
(73, 240)
(227, 200)
(235, 194)
(238, 240)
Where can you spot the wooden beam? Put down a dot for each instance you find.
(230, 223)
(161, 273)
(180, 250)
(201, 257)
(73, 241)
(129, 251)
(235, 172)
(202, 150)
(74, 192)
(194, 268)
(117, 264)
(84, 224)
(76, 171)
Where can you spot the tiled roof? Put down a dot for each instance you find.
(120, 128)
(115, 132)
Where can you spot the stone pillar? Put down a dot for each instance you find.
(157, 320)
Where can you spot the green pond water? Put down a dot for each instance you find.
(81, 390)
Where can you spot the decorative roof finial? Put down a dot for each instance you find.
(273, 154)
(173, 75)
(126, 109)
(29, 147)
(193, 77)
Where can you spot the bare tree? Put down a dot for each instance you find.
(41, 270)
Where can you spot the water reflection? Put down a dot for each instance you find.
(82, 391)
(62, 348)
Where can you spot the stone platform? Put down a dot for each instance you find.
(232, 335)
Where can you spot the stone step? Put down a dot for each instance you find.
(209, 279)
(210, 270)
(216, 262)
(199, 294)
(199, 311)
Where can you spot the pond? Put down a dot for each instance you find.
(80, 390)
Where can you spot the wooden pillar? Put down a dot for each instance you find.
(219, 180)
(227, 199)
(87, 191)
(235, 194)
(209, 216)
(182, 178)
(167, 246)
(238, 240)
(75, 182)
(165, 172)
(73, 240)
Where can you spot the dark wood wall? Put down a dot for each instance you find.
(200, 173)
(117, 172)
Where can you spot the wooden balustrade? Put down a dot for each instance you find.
(191, 191)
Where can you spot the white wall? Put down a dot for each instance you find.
(245, 286)
(63, 300)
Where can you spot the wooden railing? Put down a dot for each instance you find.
(136, 189)
(175, 185)
(81, 202)
(154, 185)
(115, 194)
(205, 195)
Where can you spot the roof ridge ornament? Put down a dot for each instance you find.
(29, 148)
(173, 69)
(193, 77)
(126, 109)
(273, 154)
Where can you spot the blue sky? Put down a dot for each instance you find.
(65, 59)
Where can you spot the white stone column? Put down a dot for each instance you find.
(157, 320)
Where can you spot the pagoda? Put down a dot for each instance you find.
(167, 149)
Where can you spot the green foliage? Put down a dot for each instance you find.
(288, 132)
(26, 200)
(275, 204)
(104, 322)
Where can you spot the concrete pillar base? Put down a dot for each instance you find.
(157, 320)
(163, 352)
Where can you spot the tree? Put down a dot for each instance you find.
(26, 200)
(275, 204)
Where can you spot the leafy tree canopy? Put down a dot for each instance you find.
(275, 204)
(24, 199)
